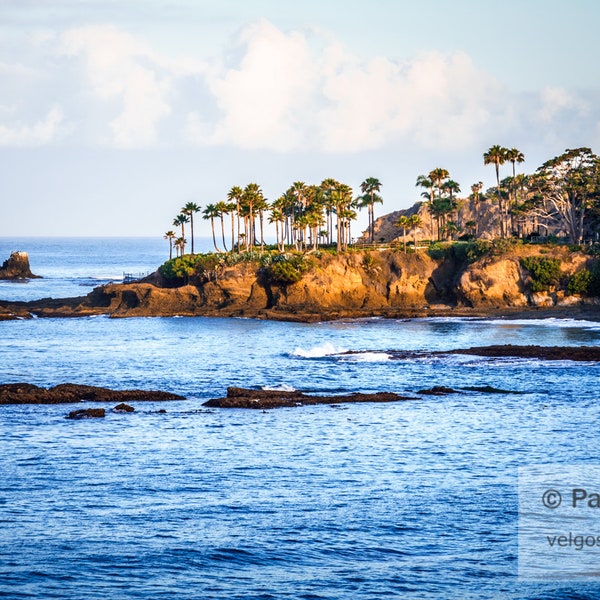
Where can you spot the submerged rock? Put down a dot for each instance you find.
(17, 267)
(86, 413)
(246, 398)
(438, 390)
(124, 408)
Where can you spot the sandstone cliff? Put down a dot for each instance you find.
(355, 284)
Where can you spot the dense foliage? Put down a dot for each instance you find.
(585, 282)
(545, 272)
(281, 269)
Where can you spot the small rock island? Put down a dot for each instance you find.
(16, 266)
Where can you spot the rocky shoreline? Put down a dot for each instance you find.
(361, 284)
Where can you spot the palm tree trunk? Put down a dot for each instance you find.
(223, 232)
(212, 225)
(233, 231)
(192, 229)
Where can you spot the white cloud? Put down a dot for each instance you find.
(555, 100)
(291, 91)
(285, 91)
(43, 132)
(120, 68)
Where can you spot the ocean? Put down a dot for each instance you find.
(417, 498)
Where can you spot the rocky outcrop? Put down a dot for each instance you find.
(366, 283)
(576, 353)
(27, 393)
(17, 267)
(246, 398)
(86, 413)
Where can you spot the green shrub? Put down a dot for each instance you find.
(545, 272)
(438, 250)
(580, 282)
(285, 269)
(476, 249)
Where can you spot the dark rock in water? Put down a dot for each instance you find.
(488, 389)
(26, 393)
(17, 267)
(123, 408)
(577, 353)
(438, 390)
(86, 413)
(245, 398)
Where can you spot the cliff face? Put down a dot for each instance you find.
(358, 284)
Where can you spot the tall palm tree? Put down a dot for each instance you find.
(327, 186)
(222, 208)
(415, 223)
(170, 235)
(496, 156)
(179, 221)
(342, 199)
(251, 196)
(437, 177)
(404, 222)
(278, 217)
(514, 155)
(235, 196)
(211, 212)
(370, 187)
(477, 197)
(425, 182)
(189, 209)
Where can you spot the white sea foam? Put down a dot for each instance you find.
(367, 357)
(279, 388)
(326, 349)
(549, 322)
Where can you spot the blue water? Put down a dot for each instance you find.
(412, 499)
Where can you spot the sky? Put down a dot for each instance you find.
(115, 113)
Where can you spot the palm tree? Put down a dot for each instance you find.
(231, 209)
(437, 177)
(179, 244)
(170, 235)
(251, 196)
(370, 187)
(278, 217)
(235, 197)
(404, 222)
(222, 209)
(189, 209)
(515, 156)
(179, 221)
(341, 197)
(327, 186)
(211, 212)
(415, 222)
(496, 156)
(426, 183)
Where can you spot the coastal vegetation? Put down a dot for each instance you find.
(558, 202)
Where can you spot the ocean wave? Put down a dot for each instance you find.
(548, 322)
(326, 349)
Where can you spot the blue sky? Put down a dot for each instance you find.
(113, 114)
